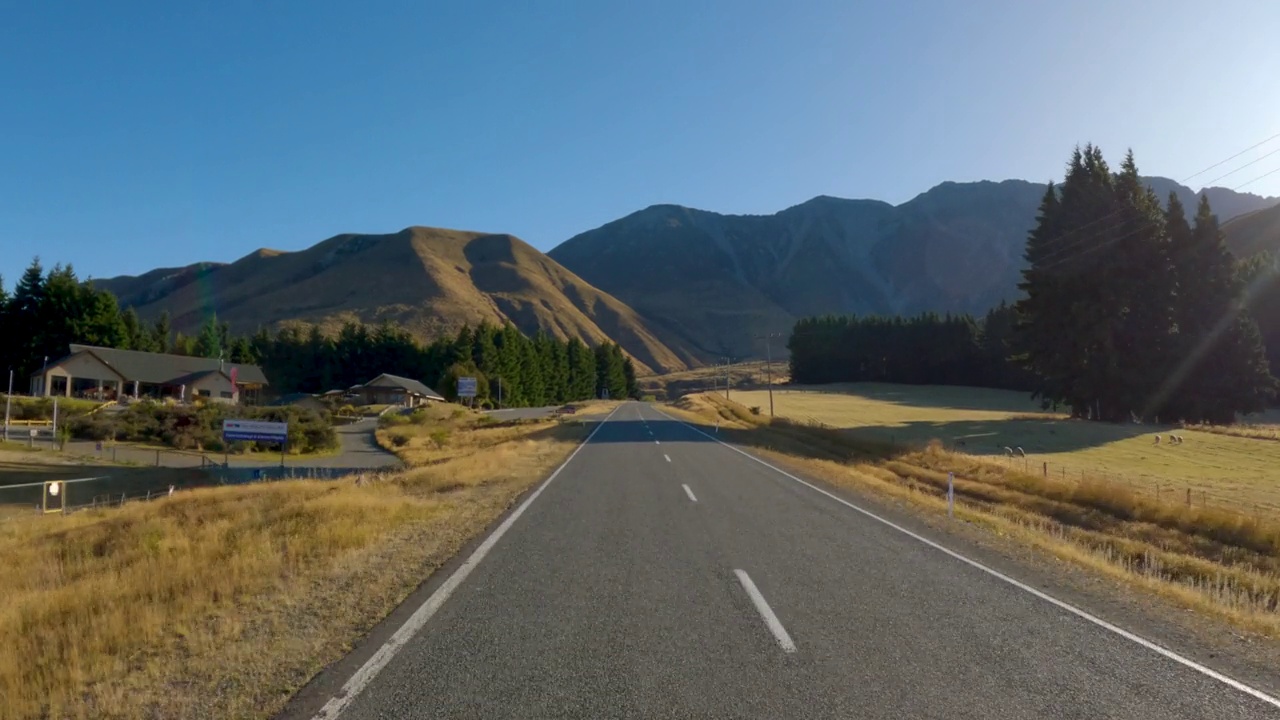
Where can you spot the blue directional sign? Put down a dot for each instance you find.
(254, 430)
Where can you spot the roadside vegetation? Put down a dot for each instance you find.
(199, 427)
(222, 602)
(24, 408)
(742, 375)
(1209, 559)
(1225, 466)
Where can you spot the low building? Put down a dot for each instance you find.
(395, 390)
(111, 374)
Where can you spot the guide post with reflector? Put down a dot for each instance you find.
(54, 497)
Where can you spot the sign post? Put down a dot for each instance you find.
(257, 431)
(951, 495)
(467, 388)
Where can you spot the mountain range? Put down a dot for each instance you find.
(675, 286)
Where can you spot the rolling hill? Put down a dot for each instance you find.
(717, 282)
(427, 280)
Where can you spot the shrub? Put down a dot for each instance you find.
(440, 436)
(755, 409)
(399, 440)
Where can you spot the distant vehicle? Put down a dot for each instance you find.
(567, 410)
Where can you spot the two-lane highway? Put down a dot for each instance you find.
(663, 574)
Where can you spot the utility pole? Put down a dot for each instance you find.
(768, 364)
(727, 362)
(499, 393)
(8, 401)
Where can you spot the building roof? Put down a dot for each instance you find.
(191, 378)
(412, 386)
(162, 369)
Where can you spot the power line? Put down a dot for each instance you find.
(1266, 174)
(1093, 223)
(1251, 162)
(1233, 157)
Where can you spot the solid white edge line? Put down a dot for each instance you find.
(367, 672)
(668, 457)
(1078, 612)
(689, 492)
(766, 612)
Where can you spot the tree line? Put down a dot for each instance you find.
(510, 368)
(47, 311)
(928, 349)
(1127, 312)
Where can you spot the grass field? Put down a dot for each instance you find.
(745, 375)
(1220, 466)
(1210, 559)
(221, 602)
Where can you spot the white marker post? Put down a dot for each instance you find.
(951, 495)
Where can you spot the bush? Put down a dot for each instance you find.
(399, 440)
(755, 409)
(200, 428)
(440, 436)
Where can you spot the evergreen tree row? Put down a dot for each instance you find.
(510, 368)
(928, 349)
(47, 311)
(1129, 311)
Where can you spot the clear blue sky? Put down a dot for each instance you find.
(143, 134)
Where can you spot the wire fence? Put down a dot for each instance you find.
(63, 496)
(1184, 492)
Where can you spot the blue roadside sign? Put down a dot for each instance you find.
(254, 431)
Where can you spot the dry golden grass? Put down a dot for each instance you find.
(1227, 467)
(221, 602)
(1244, 430)
(1207, 559)
(750, 374)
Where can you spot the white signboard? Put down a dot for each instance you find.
(466, 387)
(254, 430)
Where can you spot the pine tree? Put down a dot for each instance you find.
(135, 337)
(161, 333)
(183, 345)
(582, 370)
(629, 379)
(208, 343)
(1222, 367)
(1138, 279)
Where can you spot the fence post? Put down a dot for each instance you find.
(951, 495)
(1046, 469)
(157, 458)
(1188, 497)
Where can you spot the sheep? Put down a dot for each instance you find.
(1157, 442)
(1176, 439)
(1008, 452)
(1020, 451)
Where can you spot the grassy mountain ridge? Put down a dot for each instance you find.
(429, 280)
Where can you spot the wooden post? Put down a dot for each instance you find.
(1046, 469)
(1188, 497)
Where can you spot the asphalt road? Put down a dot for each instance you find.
(662, 575)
